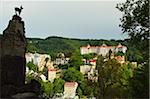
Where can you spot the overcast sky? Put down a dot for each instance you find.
(97, 19)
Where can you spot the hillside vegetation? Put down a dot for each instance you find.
(53, 45)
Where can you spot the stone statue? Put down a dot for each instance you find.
(18, 10)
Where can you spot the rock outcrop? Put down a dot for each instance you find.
(13, 48)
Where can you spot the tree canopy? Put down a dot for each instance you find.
(135, 22)
(73, 75)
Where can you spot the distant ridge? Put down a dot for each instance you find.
(55, 44)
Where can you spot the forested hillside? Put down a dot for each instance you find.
(54, 45)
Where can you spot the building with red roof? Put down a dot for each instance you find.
(51, 74)
(70, 90)
(102, 50)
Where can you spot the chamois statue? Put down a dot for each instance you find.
(18, 10)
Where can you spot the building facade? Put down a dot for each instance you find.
(70, 90)
(102, 50)
(51, 74)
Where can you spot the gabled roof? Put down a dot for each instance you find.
(92, 60)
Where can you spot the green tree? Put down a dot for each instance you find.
(89, 88)
(126, 74)
(47, 88)
(89, 56)
(111, 76)
(109, 79)
(28, 78)
(120, 53)
(135, 22)
(58, 85)
(75, 60)
(79, 92)
(73, 75)
(31, 66)
(65, 66)
(134, 55)
(99, 67)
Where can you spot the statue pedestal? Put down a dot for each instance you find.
(13, 48)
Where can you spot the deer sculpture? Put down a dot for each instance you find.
(18, 10)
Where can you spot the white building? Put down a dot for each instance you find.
(102, 50)
(84, 69)
(38, 59)
(90, 71)
(70, 90)
(29, 57)
(61, 59)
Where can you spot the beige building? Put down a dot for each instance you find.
(84, 69)
(51, 74)
(50, 64)
(102, 50)
(92, 73)
(120, 59)
(70, 90)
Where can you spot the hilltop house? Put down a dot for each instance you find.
(102, 50)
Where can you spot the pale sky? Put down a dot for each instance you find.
(85, 19)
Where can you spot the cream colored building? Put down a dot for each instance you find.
(102, 50)
(84, 69)
(70, 90)
(51, 74)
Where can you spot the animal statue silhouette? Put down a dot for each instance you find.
(18, 10)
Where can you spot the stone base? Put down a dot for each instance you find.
(12, 73)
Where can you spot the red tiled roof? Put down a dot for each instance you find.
(105, 46)
(93, 46)
(118, 46)
(88, 46)
(70, 84)
(51, 69)
(92, 60)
